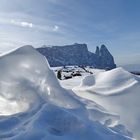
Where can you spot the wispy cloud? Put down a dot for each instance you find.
(48, 27)
(22, 23)
(55, 28)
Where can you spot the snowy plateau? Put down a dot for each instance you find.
(35, 105)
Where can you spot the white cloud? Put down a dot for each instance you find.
(26, 24)
(22, 23)
(55, 28)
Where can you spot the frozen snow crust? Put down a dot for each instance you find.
(33, 105)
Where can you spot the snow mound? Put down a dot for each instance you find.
(108, 82)
(33, 105)
(25, 75)
(118, 91)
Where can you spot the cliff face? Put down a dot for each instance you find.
(78, 54)
(105, 59)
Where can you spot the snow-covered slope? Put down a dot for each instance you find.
(109, 82)
(33, 105)
(118, 91)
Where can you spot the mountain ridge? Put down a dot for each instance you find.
(78, 54)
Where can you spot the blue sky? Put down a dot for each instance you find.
(115, 23)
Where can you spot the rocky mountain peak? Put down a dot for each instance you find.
(104, 50)
(78, 54)
(106, 58)
(97, 52)
(103, 47)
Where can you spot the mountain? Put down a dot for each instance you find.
(78, 54)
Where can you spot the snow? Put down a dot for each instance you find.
(109, 82)
(118, 91)
(33, 105)
(75, 81)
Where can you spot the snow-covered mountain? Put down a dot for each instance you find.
(33, 105)
(78, 54)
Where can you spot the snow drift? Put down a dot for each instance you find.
(33, 105)
(109, 82)
(118, 91)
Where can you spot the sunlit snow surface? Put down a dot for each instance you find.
(118, 91)
(33, 105)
